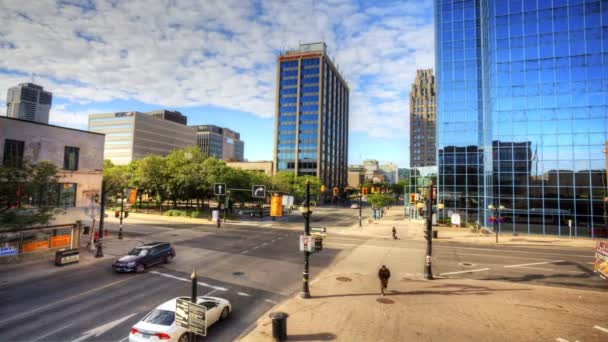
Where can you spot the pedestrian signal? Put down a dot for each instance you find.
(412, 197)
(117, 213)
(336, 191)
(322, 188)
(318, 244)
(364, 191)
(126, 214)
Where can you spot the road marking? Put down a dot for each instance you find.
(243, 294)
(102, 329)
(601, 328)
(124, 339)
(264, 244)
(245, 252)
(536, 268)
(535, 263)
(27, 313)
(256, 247)
(559, 339)
(188, 281)
(52, 332)
(270, 301)
(467, 271)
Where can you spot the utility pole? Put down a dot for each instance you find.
(102, 209)
(428, 273)
(360, 210)
(122, 210)
(194, 279)
(305, 288)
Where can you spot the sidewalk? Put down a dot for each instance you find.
(346, 305)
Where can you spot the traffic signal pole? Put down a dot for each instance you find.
(428, 273)
(360, 213)
(305, 275)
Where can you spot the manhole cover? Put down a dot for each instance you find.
(385, 301)
(343, 279)
(468, 264)
(238, 273)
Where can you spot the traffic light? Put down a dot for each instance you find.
(126, 214)
(322, 188)
(117, 213)
(364, 191)
(412, 198)
(336, 191)
(318, 244)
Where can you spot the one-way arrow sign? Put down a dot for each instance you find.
(219, 189)
(258, 191)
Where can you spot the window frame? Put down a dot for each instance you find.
(7, 158)
(66, 153)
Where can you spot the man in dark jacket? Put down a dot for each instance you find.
(383, 273)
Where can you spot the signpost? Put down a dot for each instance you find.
(306, 243)
(219, 189)
(258, 191)
(191, 316)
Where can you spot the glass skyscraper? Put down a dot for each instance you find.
(522, 118)
(311, 133)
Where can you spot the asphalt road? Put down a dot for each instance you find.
(253, 267)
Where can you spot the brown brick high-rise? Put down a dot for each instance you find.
(422, 120)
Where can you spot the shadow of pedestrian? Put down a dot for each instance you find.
(312, 337)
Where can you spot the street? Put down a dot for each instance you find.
(253, 265)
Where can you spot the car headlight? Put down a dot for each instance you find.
(132, 263)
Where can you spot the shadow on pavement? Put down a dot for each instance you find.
(312, 337)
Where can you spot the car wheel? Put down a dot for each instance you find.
(139, 268)
(168, 259)
(225, 313)
(184, 338)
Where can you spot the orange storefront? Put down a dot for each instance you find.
(38, 239)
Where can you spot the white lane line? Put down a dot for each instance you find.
(124, 339)
(535, 263)
(264, 244)
(536, 268)
(52, 332)
(245, 252)
(559, 339)
(601, 328)
(467, 271)
(256, 247)
(243, 294)
(270, 301)
(188, 281)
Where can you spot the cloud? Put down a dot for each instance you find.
(215, 52)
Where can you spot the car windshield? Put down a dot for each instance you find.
(160, 317)
(139, 251)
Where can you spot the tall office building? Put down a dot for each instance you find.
(522, 108)
(312, 107)
(170, 115)
(221, 143)
(134, 135)
(29, 101)
(422, 120)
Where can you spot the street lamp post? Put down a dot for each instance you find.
(102, 209)
(122, 210)
(306, 213)
(428, 273)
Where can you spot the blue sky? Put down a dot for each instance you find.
(215, 61)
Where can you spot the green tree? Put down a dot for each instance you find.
(150, 175)
(28, 195)
(379, 200)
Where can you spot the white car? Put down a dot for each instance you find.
(159, 324)
(354, 206)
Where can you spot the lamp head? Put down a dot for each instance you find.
(491, 206)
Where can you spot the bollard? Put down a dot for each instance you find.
(279, 325)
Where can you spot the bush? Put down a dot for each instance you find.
(170, 212)
(183, 213)
(195, 214)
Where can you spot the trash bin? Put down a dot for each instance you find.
(86, 230)
(65, 257)
(279, 325)
(435, 234)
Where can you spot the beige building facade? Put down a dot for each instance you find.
(423, 114)
(134, 135)
(266, 167)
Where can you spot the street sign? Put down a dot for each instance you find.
(191, 316)
(258, 191)
(318, 229)
(219, 189)
(306, 243)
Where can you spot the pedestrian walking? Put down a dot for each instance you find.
(383, 273)
(395, 234)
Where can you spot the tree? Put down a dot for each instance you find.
(149, 175)
(400, 187)
(29, 195)
(379, 200)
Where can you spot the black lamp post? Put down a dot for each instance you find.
(102, 209)
(122, 210)
(428, 273)
(360, 196)
(305, 210)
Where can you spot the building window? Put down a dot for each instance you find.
(13, 153)
(70, 158)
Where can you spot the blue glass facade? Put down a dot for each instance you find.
(522, 113)
(312, 117)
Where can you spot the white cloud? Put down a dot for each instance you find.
(221, 52)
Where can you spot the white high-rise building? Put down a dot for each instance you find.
(29, 101)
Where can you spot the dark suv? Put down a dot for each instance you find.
(143, 256)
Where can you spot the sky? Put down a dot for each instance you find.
(215, 61)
